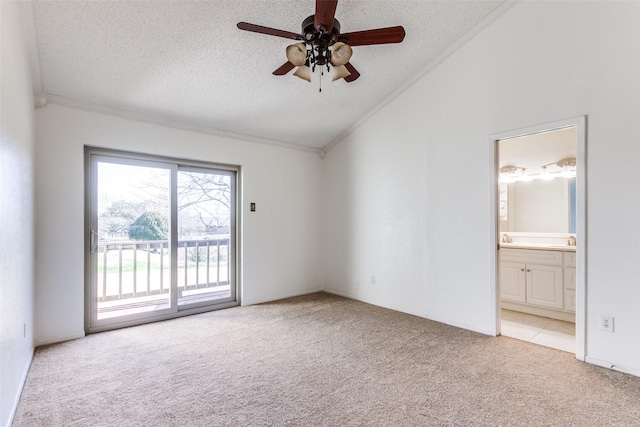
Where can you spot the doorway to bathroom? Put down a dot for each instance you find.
(540, 234)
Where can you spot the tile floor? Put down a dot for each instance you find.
(539, 330)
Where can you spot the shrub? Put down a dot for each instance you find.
(149, 226)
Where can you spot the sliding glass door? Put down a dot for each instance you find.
(205, 247)
(160, 239)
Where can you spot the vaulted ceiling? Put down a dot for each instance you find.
(186, 62)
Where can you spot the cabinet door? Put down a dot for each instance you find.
(570, 278)
(512, 281)
(545, 286)
(570, 289)
(570, 300)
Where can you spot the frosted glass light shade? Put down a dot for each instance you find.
(297, 54)
(340, 53)
(340, 72)
(303, 72)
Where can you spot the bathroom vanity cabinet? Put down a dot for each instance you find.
(540, 282)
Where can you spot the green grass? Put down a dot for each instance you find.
(141, 261)
(127, 261)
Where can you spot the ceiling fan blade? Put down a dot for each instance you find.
(325, 13)
(377, 36)
(354, 73)
(284, 69)
(269, 31)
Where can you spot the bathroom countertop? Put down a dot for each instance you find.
(538, 246)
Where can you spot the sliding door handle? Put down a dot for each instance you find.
(94, 243)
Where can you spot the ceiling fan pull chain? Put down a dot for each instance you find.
(313, 60)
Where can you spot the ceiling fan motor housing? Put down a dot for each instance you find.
(320, 42)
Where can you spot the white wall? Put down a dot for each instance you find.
(16, 210)
(281, 249)
(408, 192)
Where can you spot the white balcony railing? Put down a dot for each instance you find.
(134, 270)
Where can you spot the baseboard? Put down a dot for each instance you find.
(612, 366)
(346, 295)
(366, 301)
(465, 326)
(340, 294)
(282, 296)
(417, 314)
(539, 311)
(59, 339)
(23, 381)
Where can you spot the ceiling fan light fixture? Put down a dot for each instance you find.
(323, 45)
(341, 53)
(297, 54)
(304, 73)
(340, 72)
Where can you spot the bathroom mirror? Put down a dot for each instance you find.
(538, 206)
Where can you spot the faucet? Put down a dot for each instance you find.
(572, 241)
(506, 238)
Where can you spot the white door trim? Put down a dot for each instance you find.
(579, 123)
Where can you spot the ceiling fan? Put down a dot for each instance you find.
(322, 45)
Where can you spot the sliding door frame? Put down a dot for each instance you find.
(235, 233)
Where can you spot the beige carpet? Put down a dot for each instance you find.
(316, 360)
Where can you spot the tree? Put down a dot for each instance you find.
(195, 188)
(149, 226)
(118, 216)
(204, 201)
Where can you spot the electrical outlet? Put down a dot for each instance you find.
(373, 280)
(606, 323)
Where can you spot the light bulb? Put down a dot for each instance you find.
(545, 174)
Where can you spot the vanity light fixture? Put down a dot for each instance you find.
(567, 169)
(511, 173)
(544, 173)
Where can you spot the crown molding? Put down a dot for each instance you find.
(151, 119)
(474, 31)
(33, 53)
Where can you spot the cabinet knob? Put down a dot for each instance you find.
(528, 271)
(522, 269)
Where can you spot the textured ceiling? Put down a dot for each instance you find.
(186, 62)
